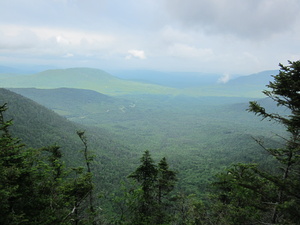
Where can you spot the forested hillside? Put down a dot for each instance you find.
(190, 131)
(39, 127)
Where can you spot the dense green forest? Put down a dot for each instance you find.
(198, 135)
(151, 159)
(38, 127)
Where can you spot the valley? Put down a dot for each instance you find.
(200, 135)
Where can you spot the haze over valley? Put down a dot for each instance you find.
(191, 125)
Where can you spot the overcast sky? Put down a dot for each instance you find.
(214, 36)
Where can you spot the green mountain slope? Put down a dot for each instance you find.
(38, 126)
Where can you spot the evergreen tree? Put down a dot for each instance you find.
(285, 91)
(262, 196)
(241, 196)
(15, 177)
(146, 175)
(88, 159)
(35, 186)
(166, 180)
(156, 182)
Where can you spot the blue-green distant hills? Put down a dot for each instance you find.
(83, 78)
(105, 83)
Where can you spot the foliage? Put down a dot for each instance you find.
(269, 196)
(37, 126)
(241, 197)
(285, 91)
(36, 188)
(152, 205)
(201, 136)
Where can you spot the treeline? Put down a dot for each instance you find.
(38, 188)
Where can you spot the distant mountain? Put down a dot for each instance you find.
(21, 69)
(169, 79)
(192, 79)
(189, 84)
(6, 69)
(261, 78)
(243, 86)
(83, 78)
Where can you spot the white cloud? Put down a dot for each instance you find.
(224, 79)
(17, 39)
(61, 40)
(53, 41)
(133, 53)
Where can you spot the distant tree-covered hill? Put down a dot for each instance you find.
(83, 78)
(170, 84)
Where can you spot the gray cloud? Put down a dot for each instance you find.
(247, 18)
(25, 39)
(95, 15)
(54, 13)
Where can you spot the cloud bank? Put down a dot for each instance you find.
(254, 19)
(217, 36)
(140, 54)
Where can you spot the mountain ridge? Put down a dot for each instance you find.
(105, 83)
(83, 78)
(262, 77)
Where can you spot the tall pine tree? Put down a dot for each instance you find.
(285, 91)
(156, 182)
(264, 196)
(146, 175)
(166, 180)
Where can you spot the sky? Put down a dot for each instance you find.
(209, 36)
